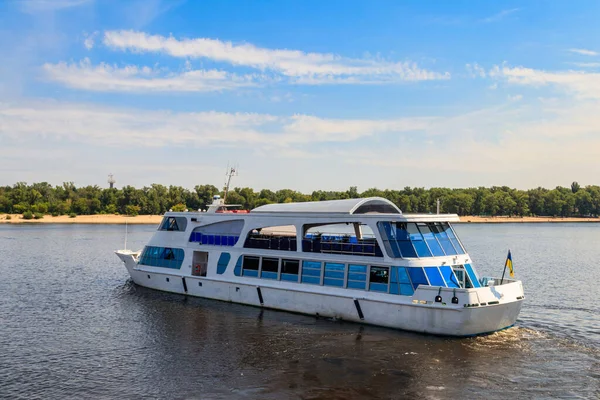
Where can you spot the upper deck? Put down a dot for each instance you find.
(369, 227)
(363, 208)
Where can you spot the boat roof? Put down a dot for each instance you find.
(367, 205)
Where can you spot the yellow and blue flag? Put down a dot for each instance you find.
(509, 265)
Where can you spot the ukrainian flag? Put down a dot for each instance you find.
(509, 265)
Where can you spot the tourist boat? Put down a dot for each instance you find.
(359, 260)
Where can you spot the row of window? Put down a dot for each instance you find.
(213, 240)
(401, 239)
(394, 280)
(165, 257)
(410, 239)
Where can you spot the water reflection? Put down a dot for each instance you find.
(84, 330)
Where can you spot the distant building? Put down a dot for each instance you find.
(111, 181)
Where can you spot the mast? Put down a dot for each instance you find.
(231, 171)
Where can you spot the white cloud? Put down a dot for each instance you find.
(50, 5)
(110, 126)
(586, 64)
(90, 40)
(510, 143)
(107, 78)
(584, 52)
(516, 97)
(580, 83)
(499, 16)
(300, 67)
(475, 70)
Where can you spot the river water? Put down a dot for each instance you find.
(73, 326)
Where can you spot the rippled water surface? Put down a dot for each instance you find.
(73, 326)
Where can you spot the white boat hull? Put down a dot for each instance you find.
(418, 313)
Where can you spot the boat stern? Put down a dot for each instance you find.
(473, 311)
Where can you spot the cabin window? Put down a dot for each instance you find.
(222, 263)
(250, 266)
(165, 257)
(432, 242)
(173, 224)
(400, 282)
(237, 270)
(434, 276)
(378, 279)
(311, 272)
(270, 268)
(225, 233)
(289, 270)
(357, 276)
(351, 238)
(272, 238)
(410, 240)
(449, 277)
(472, 277)
(334, 274)
(417, 277)
(439, 232)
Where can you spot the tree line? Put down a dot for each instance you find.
(43, 198)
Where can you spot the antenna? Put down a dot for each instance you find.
(125, 235)
(111, 180)
(231, 171)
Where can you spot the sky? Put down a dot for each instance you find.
(307, 95)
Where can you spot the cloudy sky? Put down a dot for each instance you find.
(304, 95)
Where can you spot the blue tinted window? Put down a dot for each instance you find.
(449, 277)
(435, 277)
(453, 239)
(379, 278)
(269, 268)
(400, 282)
(472, 276)
(417, 241)
(334, 274)
(434, 246)
(250, 266)
(164, 257)
(311, 272)
(357, 285)
(417, 276)
(357, 276)
(237, 270)
(439, 231)
(223, 262)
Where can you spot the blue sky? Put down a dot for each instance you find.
(300, 94)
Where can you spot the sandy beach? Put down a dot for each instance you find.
(84, 219)
(478, 219)
(155, 219)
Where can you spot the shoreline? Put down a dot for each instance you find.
(108, 219)
(155, 219)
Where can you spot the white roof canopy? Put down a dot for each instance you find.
(346, 206)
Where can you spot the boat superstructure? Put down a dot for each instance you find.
(360, 260)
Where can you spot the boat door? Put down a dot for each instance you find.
(200, 263)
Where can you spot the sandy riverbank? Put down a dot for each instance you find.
(155, 219)
(477, 219)
(84, 219)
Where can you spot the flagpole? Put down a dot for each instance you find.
(504, 271)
